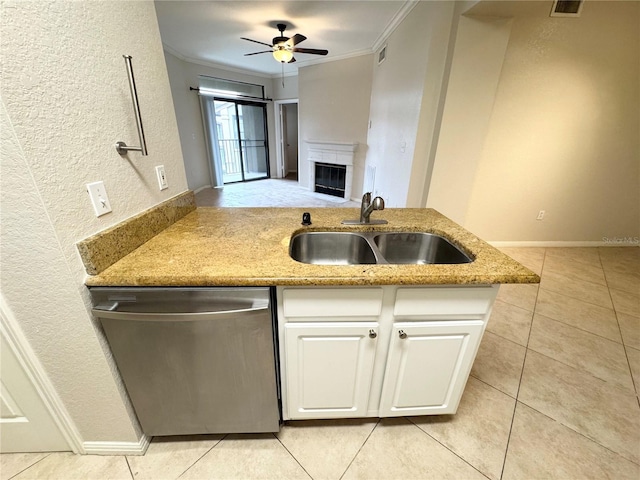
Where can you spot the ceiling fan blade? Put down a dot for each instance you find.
(313, 51)
(296, 39)
(255, 41)
(256, 53)
(293, 59)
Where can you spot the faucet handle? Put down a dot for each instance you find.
(378, 203)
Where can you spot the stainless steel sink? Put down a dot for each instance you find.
(358, 248)
(331, 248)
(418, 248)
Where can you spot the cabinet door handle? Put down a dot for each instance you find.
(402, 334)
(372, 333)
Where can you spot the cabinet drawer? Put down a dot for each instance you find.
(331, 302)
(438, 302)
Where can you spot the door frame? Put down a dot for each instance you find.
(280, 134)
(21, 348)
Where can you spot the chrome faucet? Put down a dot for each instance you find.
(366, 208)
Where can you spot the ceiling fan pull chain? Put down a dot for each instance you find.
(282, 74)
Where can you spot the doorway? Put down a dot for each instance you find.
(241, 130)
(287, 139)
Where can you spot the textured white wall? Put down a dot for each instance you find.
(563, 135)
(415, 50)
(334, 106)
(65, 103)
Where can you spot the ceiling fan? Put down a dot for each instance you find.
(283, 47)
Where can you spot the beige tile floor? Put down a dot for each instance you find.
(268, 193)
(553, 394)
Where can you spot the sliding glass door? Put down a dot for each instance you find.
(241, 129)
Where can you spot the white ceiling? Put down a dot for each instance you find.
(209, 31)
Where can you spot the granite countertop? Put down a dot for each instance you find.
(250, 246)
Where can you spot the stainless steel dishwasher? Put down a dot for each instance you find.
(194, 360)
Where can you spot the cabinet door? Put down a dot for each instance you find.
(329, 368)
(428, 366)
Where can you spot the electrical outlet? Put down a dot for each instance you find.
(99, 199)
(162, 177)
(540, 215)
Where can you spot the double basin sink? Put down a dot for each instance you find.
(362, 248)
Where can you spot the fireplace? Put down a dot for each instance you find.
(330, 179)
(331, 167)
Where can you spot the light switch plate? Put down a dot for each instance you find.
(99, 199)
(162, 177)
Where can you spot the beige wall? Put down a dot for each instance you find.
(478, 55)
(65, 102)
(564, 134)
(184, 74)
(443, 31)
(334, 106)
(405, 95)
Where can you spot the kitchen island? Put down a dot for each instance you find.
(363, 340)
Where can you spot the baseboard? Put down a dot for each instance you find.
(117, 448)
(198, 190)
(561, 244)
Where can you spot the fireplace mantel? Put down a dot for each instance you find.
(333, 153)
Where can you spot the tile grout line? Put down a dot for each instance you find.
(577, 432)
(27, 468)
(524, 361)
(360, 449)
(292, 455)
(564, 294)
(584, 301)
(445, 446)
(126, 459)
(578, 278)
(505, 338)
(492, 386)
(585, 372)
(582, 329)
(202, 456)
(542, 413)
(624, 346)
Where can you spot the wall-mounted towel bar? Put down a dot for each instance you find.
(122, 147)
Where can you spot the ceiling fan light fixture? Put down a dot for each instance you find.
(282, 54)
(283, 47)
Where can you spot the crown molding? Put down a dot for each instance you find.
(318, 61)
(221, 66)
(393, 24)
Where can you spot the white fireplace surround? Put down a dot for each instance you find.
(332, 153)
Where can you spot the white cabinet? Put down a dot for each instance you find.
(378, 351)
(329, 368)
(427, 366)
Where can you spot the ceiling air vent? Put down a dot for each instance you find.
(566, 8)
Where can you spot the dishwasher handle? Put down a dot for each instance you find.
(108, 311)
